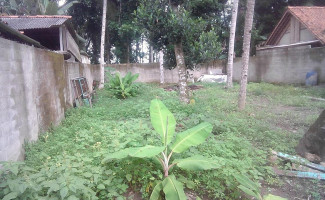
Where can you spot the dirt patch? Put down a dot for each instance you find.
(296, 189)
(175, 87)
(132, 195)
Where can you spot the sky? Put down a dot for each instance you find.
(61, 2)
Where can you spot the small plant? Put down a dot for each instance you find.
(123, 88)
(164, 123)
(253, 189)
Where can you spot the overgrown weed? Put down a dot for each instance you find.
(242, 139)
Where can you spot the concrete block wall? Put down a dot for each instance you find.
(150, 72)
(35, 92)
(287, 65)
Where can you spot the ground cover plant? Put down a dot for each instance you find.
(66, 162)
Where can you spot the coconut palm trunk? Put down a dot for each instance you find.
(232, 44)
(102, 45)
(246, 49)
(161, 66)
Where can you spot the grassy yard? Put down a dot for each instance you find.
(66, 162)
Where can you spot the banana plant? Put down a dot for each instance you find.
(163, 121)
(123, 87)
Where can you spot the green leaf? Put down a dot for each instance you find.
(14, 169)
(245, 181)
(138, 152)
(191, 137)
(88, 174)
(198, 163)
(64, 192)
(53, 187)
(146, 151)
(273, 197)
(128, 177)
(249, 191)
(162, 120)
(173, 189)
(11, 195)
(72, 197)
(156, 191)
(101, 187)
(119, 154)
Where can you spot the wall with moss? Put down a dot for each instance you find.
(35, 91)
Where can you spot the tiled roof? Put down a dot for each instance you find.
(313, 18)
(34, 22)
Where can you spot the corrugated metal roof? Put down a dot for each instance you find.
(34, 22)
(311, 17)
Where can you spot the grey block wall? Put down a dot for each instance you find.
(35, 91)
(286, 65)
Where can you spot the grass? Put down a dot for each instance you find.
(275, 118)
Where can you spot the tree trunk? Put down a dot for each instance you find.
(108, 58)
(128, 53)
(246, 49)
(232, 44)
(161, 64)
(313, 142)
(102, 45)
(137, 51)
(150, 54)
(182, 83)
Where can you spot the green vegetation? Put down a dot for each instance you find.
(66, 163)
(164, 123)
(122, 88)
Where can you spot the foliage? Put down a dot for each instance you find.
(123, 88)
(253, 189)
(194, 23)
(121, 31)
(276, 118)
(164, 123)
(34, 7)
(65, 177)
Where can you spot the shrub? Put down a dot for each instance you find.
(164, 123)
(123, 88)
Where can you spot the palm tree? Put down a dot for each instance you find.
(246, 49)
(41, 7)
(102, 45)
(232, 44)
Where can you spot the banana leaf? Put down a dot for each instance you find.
(191, 137)
(138, 152)
(173, 189)
(162, 120)
(155, 195)
(198, 162)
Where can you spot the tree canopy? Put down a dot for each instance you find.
(203, 25)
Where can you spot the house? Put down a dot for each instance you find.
(299, 26)
(12, 34)
(294, 50)
(54, 32)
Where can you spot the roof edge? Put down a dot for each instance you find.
(302, 22)
(276, 27)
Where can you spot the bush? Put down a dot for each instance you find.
(123, 88)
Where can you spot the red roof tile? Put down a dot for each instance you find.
(313, 18)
